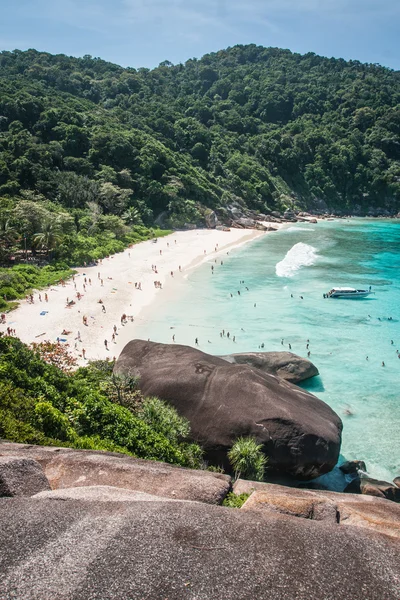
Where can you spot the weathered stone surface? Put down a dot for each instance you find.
(286, 365)
(373, 487)
(73, 550)
(352, 467)
(299, 433)
(396, 481)
(367, 512)
(101, 493)
(67, 468)
(21, 477)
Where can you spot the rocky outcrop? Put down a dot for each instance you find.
(396, 481)
(286, 365)
(374, 487)
(375, 514)
(21, 477)
(75, 550)
(299, 433)
(66, 468)
(352, 467)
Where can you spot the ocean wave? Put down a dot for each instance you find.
(300, 255)
(299, 229)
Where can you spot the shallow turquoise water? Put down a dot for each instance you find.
(308, 260)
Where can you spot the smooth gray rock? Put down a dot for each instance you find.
(286, 365)
(72, 550)
(21, 477)
(101, 493)
(375, 514)
(66, 468)
(299, 433)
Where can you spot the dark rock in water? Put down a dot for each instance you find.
(21, 477)
(351, 467)
(287, 365)
(374, 487)
(396, 481)
(178, 550)
(299, 433)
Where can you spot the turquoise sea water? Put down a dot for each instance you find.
(307, 260)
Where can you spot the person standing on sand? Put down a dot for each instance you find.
(83, 353)
(106, 344)
(46, 297)
(196, 341)
(103, 308)
(173, 338)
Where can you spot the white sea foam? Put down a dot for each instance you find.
(299, 229)
(300, 255)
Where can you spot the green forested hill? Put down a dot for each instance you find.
(261, 126)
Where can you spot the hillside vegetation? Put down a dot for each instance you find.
(47, 404)
(91, 152)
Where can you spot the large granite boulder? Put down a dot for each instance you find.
(74, 550)
(21, 477)
(68, 468)
(299, 433)
(286, 365)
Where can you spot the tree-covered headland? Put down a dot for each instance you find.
(92, 153)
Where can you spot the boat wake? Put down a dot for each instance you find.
(300, 255)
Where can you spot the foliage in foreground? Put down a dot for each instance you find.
(247, 459)
(41, 404)
(233, 500)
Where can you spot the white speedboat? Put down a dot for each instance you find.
(348, 293)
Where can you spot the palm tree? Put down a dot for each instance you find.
(131, 216)
(8, 236)
(50, 234)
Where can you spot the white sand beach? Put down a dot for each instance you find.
(113, 282)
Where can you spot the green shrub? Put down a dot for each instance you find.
(164, 419)
(52, 422)
(247, 459)
(235, 500)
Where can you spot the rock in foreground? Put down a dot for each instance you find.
(286, 365)
(21, 476)
(74, 550)
(300, 434)
(67, 468)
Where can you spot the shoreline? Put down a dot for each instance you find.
(113, 280)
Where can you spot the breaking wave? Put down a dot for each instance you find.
(299, 229)
(300, 255)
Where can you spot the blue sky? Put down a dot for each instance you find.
(145, 32)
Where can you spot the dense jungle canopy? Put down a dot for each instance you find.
(89, 150)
